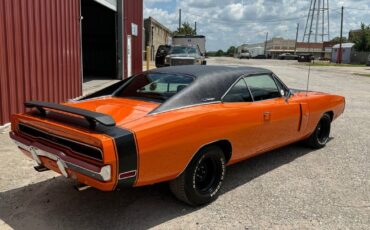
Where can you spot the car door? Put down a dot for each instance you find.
(280, 118)
(241, 122)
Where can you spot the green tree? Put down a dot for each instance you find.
(231, 51)
(362, 41)
(220, 53)
(337, 39)
(185, 29)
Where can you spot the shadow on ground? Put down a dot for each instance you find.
(53, 203)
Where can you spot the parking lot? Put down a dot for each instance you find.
(292, 188)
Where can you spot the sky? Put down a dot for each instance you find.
(228, 23)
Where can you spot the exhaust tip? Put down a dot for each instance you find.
(82, 187)
(41, 168)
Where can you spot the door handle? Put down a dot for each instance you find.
(266, 116)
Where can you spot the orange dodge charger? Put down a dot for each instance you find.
(179, 124)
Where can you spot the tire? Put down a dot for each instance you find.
(201, 181)
(320, 136)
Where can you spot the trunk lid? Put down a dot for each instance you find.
(122, 110)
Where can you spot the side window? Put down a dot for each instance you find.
(239, 93)
(263, 87)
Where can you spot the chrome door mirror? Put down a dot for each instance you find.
(282, 92)
(288, 95)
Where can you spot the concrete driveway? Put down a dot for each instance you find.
(290, 188)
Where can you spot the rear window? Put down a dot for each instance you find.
(157, 87)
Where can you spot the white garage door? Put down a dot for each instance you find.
(111, 4)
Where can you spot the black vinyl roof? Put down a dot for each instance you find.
(210, 85)
(204, 70)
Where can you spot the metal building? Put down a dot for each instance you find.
(49, 47)
(347, 50)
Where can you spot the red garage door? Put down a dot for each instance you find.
(39, 53)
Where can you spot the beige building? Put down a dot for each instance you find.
(156, 34)
(277, 46)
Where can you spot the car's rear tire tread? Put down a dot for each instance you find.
(177, 187)
(180, 186)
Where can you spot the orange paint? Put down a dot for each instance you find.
(167, 141)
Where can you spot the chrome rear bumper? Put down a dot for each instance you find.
(63, 161)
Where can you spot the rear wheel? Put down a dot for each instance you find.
(201, 182)
(320, 136)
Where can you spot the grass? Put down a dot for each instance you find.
(335, 64)
(362, 74)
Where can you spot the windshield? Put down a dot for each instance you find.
(158, 87)
(183, 50)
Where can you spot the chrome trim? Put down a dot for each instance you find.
(77, 142)
(82, 187)
(272, 75)
(77, 101)
(105, 173)
(185, 107)
(132, 171)
(231, 87)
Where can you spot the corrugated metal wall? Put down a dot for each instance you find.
(39, 53)
(133, 13)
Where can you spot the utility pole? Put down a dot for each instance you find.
(296, 39)
(267, 37)
(179, 19)
(340, 54)
(195, 28)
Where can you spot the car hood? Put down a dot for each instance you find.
(122, 110)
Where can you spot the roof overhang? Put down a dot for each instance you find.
(111, 4)
(281, 51)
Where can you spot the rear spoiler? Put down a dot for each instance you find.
(92, 117)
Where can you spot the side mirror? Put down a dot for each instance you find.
(288, 95)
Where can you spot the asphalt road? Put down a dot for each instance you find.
(290, 188)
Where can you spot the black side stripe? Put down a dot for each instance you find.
(126, 153)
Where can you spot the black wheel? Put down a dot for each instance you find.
(320, 136)
(201, 181)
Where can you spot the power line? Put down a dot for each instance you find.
(248, 21)
(350, 8)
